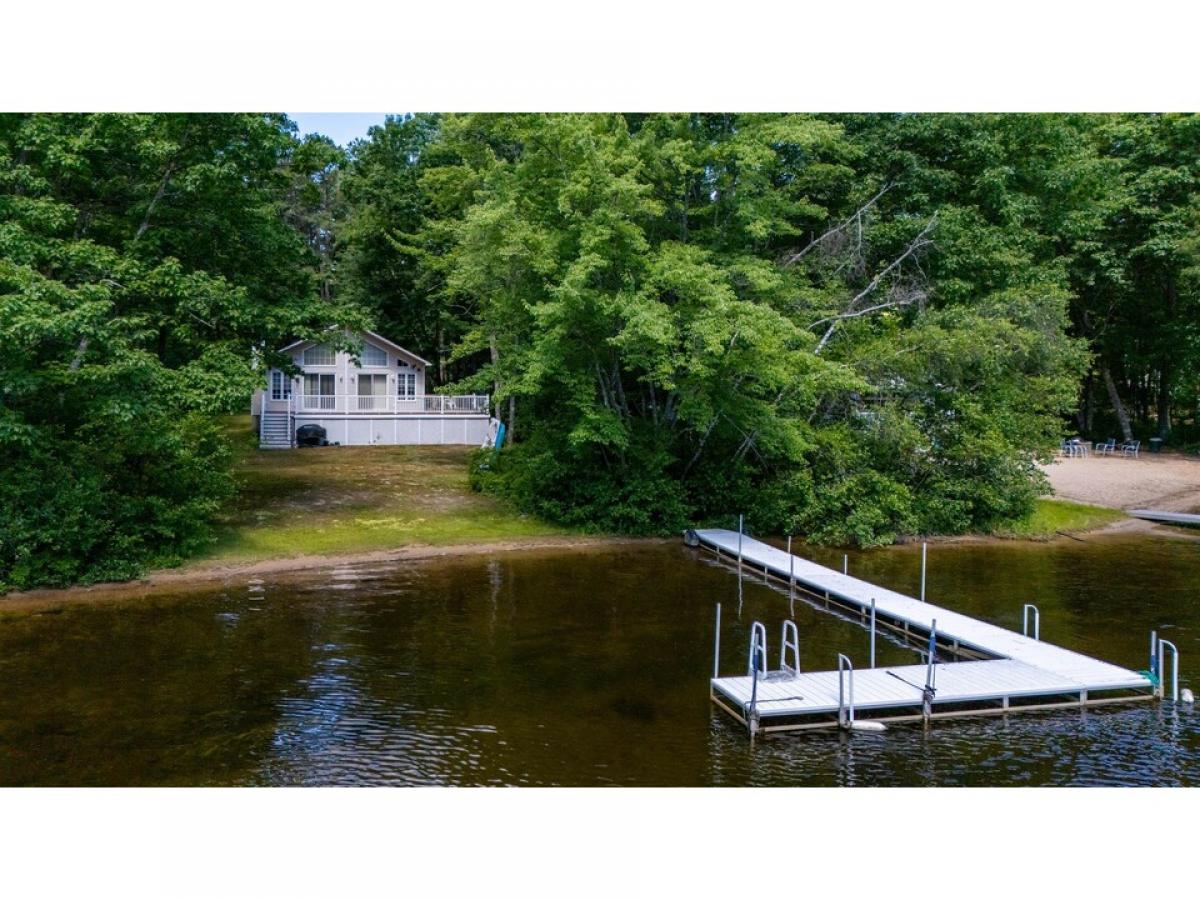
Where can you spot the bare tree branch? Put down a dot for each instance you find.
(854, 217)
(918, 243)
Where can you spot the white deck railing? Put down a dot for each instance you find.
(429, 404)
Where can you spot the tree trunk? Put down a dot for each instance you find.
(442, 354)
(1166, 370)
(512, 419)
(1084, 415)
(1117, 405)
(1164, 401)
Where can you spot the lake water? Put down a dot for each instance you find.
(584, 667)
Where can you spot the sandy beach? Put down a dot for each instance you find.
(1165, 481)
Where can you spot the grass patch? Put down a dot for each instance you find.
(332, 500)
(1051, 517)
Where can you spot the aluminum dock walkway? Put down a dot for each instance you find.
(995, 670)
(1162, 515)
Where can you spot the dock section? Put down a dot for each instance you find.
(1169, 518)
(993, 670)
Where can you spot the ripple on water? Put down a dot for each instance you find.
(551, 669)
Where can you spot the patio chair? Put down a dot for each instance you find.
(1105, 448)
(1130, 448)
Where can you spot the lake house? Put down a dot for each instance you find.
(378, 398)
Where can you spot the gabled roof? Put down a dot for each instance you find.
(371, 334)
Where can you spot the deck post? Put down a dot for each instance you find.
(924, 547)
(717, 645)
(872, 632)
(845, 563)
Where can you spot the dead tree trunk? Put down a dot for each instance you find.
(1117, 405)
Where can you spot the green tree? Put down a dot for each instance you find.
(143, 258)
(683, 315)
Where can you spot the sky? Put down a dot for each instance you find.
(340, 127)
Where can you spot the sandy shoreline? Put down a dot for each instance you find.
(207, 573)
(1165, 481)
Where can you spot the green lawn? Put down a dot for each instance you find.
(331, 500)
(1051, 517)
(349, 499)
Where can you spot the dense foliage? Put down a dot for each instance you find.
(142, 258)
(855, 327)
(683, 316)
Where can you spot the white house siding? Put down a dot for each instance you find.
(359, 431)
(349, 426)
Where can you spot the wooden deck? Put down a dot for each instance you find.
(1000, 669)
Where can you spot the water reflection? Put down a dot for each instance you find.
(566, 668)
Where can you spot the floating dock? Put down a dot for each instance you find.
(991, 670)
(1169, 518)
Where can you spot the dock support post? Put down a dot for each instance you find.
(924, 547)
(739, 546)
(872, 632)
(752, 712)
(717, 645)
(791, 576)
(930, 675)
(1153, 651)
(845, 563)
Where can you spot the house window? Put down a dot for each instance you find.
(281, 386)
(320, 356)
(406, 385)
(319, 392)
(372, 392)
(373, 356)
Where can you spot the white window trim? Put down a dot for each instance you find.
(281, 386)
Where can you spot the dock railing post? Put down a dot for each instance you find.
(845, 563)
(717, 645)
(1163, 645)
(845, 710)
(751, 713)
(1037, 621)
(872, 632)
(924, 547)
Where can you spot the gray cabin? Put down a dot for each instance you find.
(378, 399)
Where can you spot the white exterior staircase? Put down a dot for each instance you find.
(275, 431)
